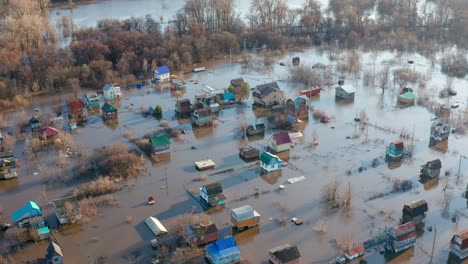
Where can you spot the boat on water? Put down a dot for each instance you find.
(310, 92)
(151, 200)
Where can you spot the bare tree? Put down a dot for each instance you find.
(384, 76)
(330, 194)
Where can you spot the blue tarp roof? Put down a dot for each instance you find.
(30, 209)
(162, 69)
(223, 247)
(107, 87)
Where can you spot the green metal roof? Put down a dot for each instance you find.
(108, 108)
(408, 96)
(266, 157)
(43, 230)
(158, 141)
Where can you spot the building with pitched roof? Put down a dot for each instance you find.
(284, 254)
(160, 144)
(244, 217)
(459, 244)
(223, 251)
(67, 209)
(200, 234)
(162, 74)
(267, 94)
(111, 92)
(76, 108)
(401, 237)
(109, 111)
(54, 254)
(279, 142)
(212, 194)
(355, 252)
(270, 162)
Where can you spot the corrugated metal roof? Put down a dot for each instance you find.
(359, 250)
(30, 209)
(286, 253)
(404, 227)
(162, 70)
(155, 226)
(282, 138)
(108, 108)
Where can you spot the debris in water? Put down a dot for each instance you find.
(296, 179)
(35, 173)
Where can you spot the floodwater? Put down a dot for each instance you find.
(110, 237)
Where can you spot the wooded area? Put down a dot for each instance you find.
(126, 51)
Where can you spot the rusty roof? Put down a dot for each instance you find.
(404, 227)
(359, 249)
(463, 235)
(406, 236)
(282, 138)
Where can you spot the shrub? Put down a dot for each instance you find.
(96, 188)
(90, 207)
(117, 161)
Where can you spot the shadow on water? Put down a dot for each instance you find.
(429, 183)
(112, 124)
(181, 208)
(271, 177)
(9, 185)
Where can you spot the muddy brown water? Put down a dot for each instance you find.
(108, 235)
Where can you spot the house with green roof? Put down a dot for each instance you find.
(92, 101)
(160, 144)
(270, 162)
(109, 111)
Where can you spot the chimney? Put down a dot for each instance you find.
(340, 82)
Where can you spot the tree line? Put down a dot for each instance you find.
(127, 51)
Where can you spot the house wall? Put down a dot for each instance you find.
(204, 195)
(163, 77)
(233, 258)
(246, 223)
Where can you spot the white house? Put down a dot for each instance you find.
(162, 74)
(344, 91)
(111, 92)
(270, 162)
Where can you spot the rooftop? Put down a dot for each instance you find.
(108, 108)
(162, 70)
(282, 138)
(285, 253)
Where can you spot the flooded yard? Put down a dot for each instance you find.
(345, 153)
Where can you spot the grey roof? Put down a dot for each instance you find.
(214, 188)
(285, 253)
(267, 88)
(53, 249)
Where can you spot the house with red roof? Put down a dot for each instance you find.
(200, 234)
(76, 108)
(355, 252)
(459, 244)
(48, 132)
(401, 237)
(279, 142)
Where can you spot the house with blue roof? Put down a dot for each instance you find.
(111, 92)
(162, 74)
(223, 251)
(29, 210)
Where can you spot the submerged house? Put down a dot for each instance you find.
(183, 107)
(160, 144)
(284, 254)
(270, 162)
(67, 209)
(111, 92)
(212, 194)
(440, 132)
(34, 123)
(355, 252)
(162, 74)
(199, 234)
(268, 94)
(255, 130)
(202, 117)
(92, 101)
(459, 244)
(344, 91)
(76, 108)
(48, 132)
(299, 107)
(279, 142)
(431, 169)
(24, 215)
(401, 237)
(223, 251)
(109, 111)
(395, 150)
(244, 217)
(177, 84)
(414, 211)
(54, 254)
(249, 153)
(7, 165)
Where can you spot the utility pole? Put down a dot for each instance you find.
(433, 243)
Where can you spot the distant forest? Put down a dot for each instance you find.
(127, 51)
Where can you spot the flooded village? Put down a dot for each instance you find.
(311, 155)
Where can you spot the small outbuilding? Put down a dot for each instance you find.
(255, 130)
(183, 107)
(431, 169)
(48, 132)
(249, 153)
(34, 123)
(344, 91)
(109, 111)
(202, 117)
(155, 226)
(284, 254)
(54, 254)
(355, 252)
(7, 165)
(415, 211)
(111, 92)
(270, 162)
